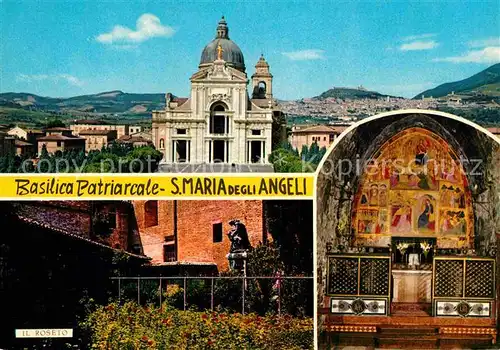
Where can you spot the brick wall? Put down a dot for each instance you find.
(152, 238)
(195, 235)
(194, 228)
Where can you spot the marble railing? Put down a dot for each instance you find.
(463, 286)
(359, 283)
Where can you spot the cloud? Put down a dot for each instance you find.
(418, 37)
(493, 41)
(419, 45)
(70, 79)
(305, 55)
(147, 26)
(486, 55)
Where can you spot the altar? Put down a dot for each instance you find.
(407, 263)
(412, 286)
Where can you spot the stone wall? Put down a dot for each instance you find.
(79, 218)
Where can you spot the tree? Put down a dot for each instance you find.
(55, 123)
(285, 161)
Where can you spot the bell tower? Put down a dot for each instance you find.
(262, 80)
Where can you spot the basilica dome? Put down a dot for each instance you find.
(224, 48)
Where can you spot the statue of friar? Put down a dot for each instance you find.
(238, 236)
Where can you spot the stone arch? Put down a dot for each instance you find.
(260, 89)
(337, 182)
(218, 123)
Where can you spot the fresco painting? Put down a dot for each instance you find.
(415, 186)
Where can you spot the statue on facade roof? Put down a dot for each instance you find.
(219, 52)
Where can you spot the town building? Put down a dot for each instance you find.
(322, 135)
(95, 140)
(136, 140)
(134, 129)
(7, 144)
(407, 234)
(191, 235)
(59, 139)
(494, 131)
(91, 124)
(24, 137)
(144, 134)
(220, 122)
(23, 148)
(18, 132)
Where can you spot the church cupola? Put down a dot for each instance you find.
(262, 80)
(222, 29)
(222, 48)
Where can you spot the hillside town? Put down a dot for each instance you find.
(339, 110)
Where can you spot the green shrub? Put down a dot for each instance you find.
(131, 326)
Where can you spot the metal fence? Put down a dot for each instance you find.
(278, 285)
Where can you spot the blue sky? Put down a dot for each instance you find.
(56, 48)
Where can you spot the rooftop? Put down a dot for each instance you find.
(59, 138)
(20, 143)
(95, 132)
(90, 121)
(320, 129)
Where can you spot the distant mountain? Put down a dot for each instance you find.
(350, 93)
(486, 82)
(105, 102)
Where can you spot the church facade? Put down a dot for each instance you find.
(220, 122)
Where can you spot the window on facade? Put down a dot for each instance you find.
(262, 88)
(256, 148)
(181, 151)
(181, 131)
(151, 213)
(332, 138)
(255, 132)
(324, 138)
(218, 120)
(219, 151)
(169, 253)
(58, 143)
(259, 90)
(217, 232)
(162, 143)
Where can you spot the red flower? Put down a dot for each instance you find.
(204, 316)
(144, 338)
(150, 342)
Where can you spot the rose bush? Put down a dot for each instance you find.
(131, 326)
